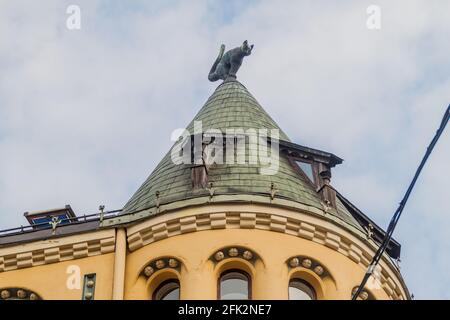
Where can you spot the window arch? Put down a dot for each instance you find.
(299, 289)
(167, 290)
(234, 284)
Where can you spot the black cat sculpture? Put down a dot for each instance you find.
(228, 64)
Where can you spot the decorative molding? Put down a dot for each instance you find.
(234, 252)
(159, 264)
(364, 295)
(321, 233)
(89, 286)
(46, 252)
(308, 263)
(17, 294)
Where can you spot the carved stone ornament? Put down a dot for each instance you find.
(148, 271)
(307, 263)
(294, 262)
(233, 252)
(219, 256)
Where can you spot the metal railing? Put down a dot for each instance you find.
(99, 216)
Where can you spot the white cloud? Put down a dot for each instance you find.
(86, 115)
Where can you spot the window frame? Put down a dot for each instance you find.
(244, 273)
(314, 168)
(304, 282)
(164, 283)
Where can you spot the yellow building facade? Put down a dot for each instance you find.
(209, 231)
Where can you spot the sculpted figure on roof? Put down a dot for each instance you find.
(228, 64)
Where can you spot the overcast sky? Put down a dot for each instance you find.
(85, 115)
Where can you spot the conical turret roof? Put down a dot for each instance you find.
(230, 106)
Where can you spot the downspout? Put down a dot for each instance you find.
(119, 264)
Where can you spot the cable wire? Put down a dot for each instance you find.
(376, 258)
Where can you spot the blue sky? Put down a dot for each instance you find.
(85, 115)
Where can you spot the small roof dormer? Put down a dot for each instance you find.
(43, 219)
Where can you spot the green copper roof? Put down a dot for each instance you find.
(230, 106)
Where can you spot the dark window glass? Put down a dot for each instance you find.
(45, 221)
(307, 169)
(301, 290)
(234, 285)
(168, 290)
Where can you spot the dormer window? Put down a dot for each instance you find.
(43, 219)
(314, 166)
(307, 169)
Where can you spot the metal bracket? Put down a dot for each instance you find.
(273, 191)
(211, 191)
(157, 201)
(54, 223)
(369, 230)
(102, 214)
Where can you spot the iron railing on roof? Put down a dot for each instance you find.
(61, 222)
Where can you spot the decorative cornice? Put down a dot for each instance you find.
(309, 228)
(277, 202)
(57, 250)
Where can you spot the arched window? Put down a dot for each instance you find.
(301, 290)
(234, 285)
(168, 290)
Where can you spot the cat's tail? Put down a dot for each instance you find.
(212, 74)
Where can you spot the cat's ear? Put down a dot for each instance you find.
(251, 47)
(245, 43)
